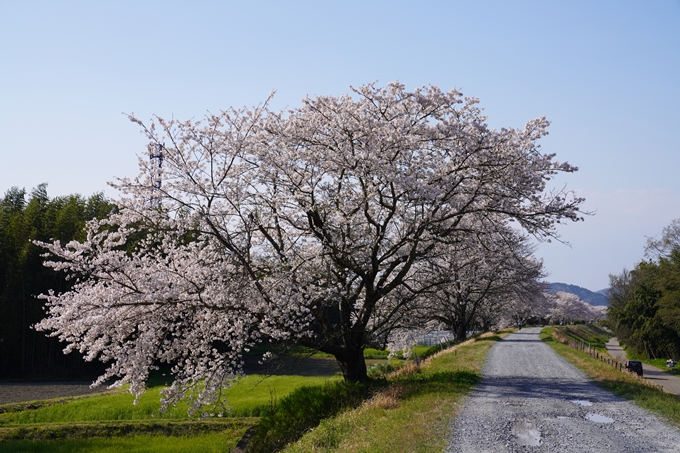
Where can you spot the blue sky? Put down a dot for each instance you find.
(606, 73)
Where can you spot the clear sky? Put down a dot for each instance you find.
(606, 73)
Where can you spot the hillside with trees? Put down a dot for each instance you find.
(595, 298)
(24, 352)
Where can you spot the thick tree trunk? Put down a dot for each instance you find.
(460, 333)
(352, 364)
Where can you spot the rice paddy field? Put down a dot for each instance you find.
(110, 422)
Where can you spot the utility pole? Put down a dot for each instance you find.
(156, 160)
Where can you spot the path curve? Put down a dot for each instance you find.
(531, 399)
(615, 349)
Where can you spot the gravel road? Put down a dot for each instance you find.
(532, 400)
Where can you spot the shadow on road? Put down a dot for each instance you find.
(539, 388)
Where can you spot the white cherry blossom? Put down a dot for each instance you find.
(310, 225)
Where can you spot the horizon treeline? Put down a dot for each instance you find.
(644, 310)
(24, 352)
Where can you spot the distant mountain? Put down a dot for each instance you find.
(586, 295)
(604, 292)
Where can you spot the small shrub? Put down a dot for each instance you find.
(432, 350)
(406, 370)
(424, 352)
(380, 370)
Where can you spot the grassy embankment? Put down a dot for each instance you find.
(411, 412)
(218, 442)
(622, 383)
(591, 334)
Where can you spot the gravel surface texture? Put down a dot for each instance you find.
(532, 400)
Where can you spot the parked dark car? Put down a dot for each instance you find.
(634, 366)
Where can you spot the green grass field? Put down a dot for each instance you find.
(250, 396)
(111, 422)
(219, 442)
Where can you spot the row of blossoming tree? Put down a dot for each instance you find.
(330, 225)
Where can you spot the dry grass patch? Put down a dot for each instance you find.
(388, 398)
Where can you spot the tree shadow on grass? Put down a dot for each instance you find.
(458, 381)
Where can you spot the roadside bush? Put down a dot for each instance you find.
(379, 370)
(424, 352)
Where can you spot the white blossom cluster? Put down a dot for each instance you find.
(325, 225)
(153, 294)
(567, 308)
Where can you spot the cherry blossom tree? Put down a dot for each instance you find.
(567, 308)
(309, 225)
(478, 275)
(532, 302)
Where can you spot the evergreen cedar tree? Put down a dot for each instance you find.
(25, 353)
(314, 225)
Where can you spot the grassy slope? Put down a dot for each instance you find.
(621, 383)
(413, 414)
(592, 334)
